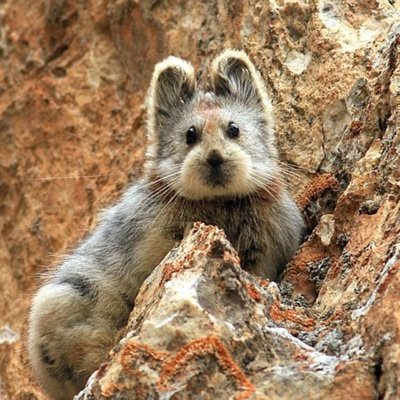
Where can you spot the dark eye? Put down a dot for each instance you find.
(191, 135)
(233, 130)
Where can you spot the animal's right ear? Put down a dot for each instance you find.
(173, 84)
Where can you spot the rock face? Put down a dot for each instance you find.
(73, 77)
(204, 328)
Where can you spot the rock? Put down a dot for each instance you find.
(73, 77)
(7, 335)
(326, 229)
(203, 327)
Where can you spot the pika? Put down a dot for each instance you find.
(212, 158)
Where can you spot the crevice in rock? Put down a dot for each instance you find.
(378, 373)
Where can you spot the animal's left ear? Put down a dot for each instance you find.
(234, 75)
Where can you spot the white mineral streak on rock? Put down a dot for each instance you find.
(346, 35)
(335, 121)
(83, 393)
(181, 313)
(297, 62)
(167, 320)
(321, 363)
(354, 348)
(184, 287)
(393, 261)
(7, 335)
(326, 229)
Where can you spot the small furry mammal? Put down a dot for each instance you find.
(211, 158)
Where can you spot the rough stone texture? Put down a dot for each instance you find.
(73, 77)
(204, 328)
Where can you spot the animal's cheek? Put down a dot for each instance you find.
(191, 167)
(237, 156)
(194, 159)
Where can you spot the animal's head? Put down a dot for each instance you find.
(219, 142)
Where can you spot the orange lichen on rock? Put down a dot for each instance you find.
(301, 260)
(253, 292)
(300, 355)
(356, 126)
(279, 315)
(210, 345)
(113, 388)
(297, 273)
(263, 282)
(386, 279)
(315, 188)
(170, 365)
(131, 353)
(170, 269)
(131, 350)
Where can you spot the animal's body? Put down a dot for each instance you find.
(211, 158)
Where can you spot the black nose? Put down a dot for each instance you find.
(215, 158)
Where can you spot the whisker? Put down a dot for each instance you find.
(163, 192)
(28, 227)
(292, 171)
(276, 179)
(160, 179)
(91, 141)
(51, 178)
(287, 174)
(287, 185)
(161, 212)
(263, 185)
(292, 167)
(269, 178)
(155, 197)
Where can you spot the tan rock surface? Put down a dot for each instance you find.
(73, 76)
(204, 328)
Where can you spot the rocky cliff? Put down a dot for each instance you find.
(73, 76)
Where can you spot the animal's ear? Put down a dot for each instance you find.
(234, 75)
(173, 83)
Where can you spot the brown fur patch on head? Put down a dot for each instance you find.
(210, 111)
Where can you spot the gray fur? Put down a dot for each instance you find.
(76, 315)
